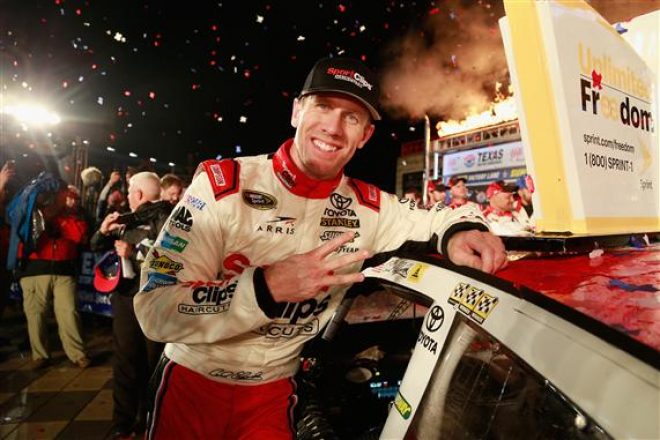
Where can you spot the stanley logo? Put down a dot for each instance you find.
(335, 222)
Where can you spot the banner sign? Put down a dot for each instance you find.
(486, 177)
(588, 113)
(479, 160)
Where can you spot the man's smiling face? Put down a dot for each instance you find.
(330, 127)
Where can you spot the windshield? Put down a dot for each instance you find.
(480, 390)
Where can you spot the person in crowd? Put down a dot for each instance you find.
(412, 194)
(288, 233)
(437, 193)
(135, 356)
(92, 181)
(458, 192)
(501, 215)
(130, 172)
(49, 274)
(117, 202)
(525, 186)
(7, 173)
(113, 185)
(171, 188)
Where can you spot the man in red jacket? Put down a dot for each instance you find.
(49, 275)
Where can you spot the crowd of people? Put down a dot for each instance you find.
(506, 206)
(46, 227)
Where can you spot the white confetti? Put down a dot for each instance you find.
(300, 38)
(243, 119)
(260, 19)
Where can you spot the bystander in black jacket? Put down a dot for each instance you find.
(135, 356)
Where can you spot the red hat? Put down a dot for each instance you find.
(107, 272)
(496, 188)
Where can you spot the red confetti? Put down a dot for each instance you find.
(434, 11)
(195, 86)
(78, 11)
(212, 62)
(246, 73)
(43, 20)
(363, 57)
(94, 66)
(156, 43)
(127, 93)
(214, 27)
(213, 53)
(57, 2)
(386, 25)
(112, 137)
(152, 95)
(342, 8)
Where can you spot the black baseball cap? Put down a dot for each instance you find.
(347, 76)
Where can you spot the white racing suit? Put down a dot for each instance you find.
(202, 286)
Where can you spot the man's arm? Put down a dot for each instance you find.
(462, 234)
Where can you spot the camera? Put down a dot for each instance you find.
(131, 219)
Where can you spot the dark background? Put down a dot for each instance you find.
(177, 87)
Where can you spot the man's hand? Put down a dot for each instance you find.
(124, 250)
(115, 177)
(303, 276)
(109, 223)
(6, 173)
(477, 249)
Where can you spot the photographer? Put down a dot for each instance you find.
(47, 273)
(132, 235)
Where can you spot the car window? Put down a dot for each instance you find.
(481, 390)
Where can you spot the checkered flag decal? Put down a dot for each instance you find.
(485, 305)
(458, 292)
(472, 297)
(472, 302)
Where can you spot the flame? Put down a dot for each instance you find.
(501, 110)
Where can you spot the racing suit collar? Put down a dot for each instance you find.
(298, 182)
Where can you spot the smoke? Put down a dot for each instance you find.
(448, 67)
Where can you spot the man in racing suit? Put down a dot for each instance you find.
(267, 247)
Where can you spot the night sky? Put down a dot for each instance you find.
(187, 81)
